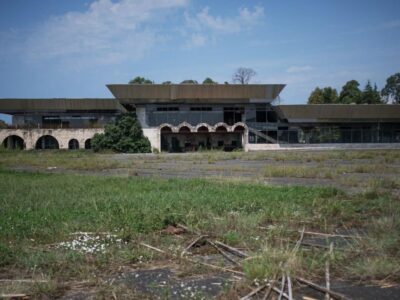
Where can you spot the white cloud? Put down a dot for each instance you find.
(107, 32)
(299, 69)
(197, 40)
(206, 24)
(390, 25)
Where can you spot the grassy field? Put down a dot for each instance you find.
(41, 212)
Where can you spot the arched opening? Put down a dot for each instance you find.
(239, 129)
(184, 129)
(14, 142)
(166, 129)
(221, 129)
(73, 144)
(203, 129)
(47, 142)
(88, 144)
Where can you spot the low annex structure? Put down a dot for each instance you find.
(189, 117)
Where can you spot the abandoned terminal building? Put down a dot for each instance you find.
(189, 117)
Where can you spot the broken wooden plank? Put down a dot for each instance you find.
(152, 248)
(315, 286)
(213, 266)
(231, 249)
(24, 280)
(223, 253)
(281, 291)
(254, 292)
(14, 296)
(289, 282)
(269, 290)
(193, 243)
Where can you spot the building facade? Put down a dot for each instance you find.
(190, 117)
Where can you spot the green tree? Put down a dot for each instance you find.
(316, 97)
(370, 95)
(122, 135)
(140, 80)
(3, 124)
(208, 80)
(330, 95)
(391, 91)
(350, 93)
(327, 95)
(189, 81)
(167, 82)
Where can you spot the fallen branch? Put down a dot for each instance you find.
(254, 292)
(315, 286)
(269, 290)
(327, 275)
(24, 280)
(194, 242)
(223, 253)
(152, 248)
(334, 235)
(231, 249)
(213, 266)
(13, 296)
(289, 283)
(281, 291)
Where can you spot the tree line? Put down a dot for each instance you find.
(351, 93)
(240, 76)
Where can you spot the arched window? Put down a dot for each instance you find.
(184, 129)
(221, 129)
(14, 142)
(166, 129)
(47, 142)
(239, 129)
(88, 144)
(73, 144)
(202, 129)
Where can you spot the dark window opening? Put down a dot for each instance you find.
(170, 108)
(47, 142)
(272, 117)
(201, 108)
(233, 115)
(73, 144)
(88, 144)
(261, 116)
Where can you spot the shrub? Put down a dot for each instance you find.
(123, 135)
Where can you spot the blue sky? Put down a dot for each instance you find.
(64, 48)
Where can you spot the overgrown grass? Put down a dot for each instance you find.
(38, 210)
(63, 159)
(42, 206)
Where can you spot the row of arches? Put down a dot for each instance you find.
(202, 128)
(15, 142)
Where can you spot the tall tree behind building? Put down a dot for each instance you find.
(391, 91)
(140, 80)
(327, 95)
(243, 75)
(370, 95)
(350, 93)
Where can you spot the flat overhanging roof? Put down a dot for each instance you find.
(15, 106)
(148, 93)
(313, 113)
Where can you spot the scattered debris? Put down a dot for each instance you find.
(89, 242)
(174, 230)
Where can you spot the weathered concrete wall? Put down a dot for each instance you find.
(153, 134)
(63, 136)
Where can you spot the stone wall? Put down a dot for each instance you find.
(63, 136)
